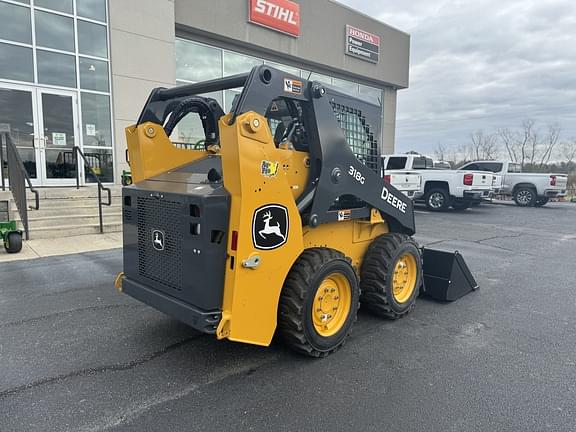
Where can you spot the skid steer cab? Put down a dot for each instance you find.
(273, 217)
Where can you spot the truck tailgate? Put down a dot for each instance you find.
(561, 182)
(483, 179)
(404, 181)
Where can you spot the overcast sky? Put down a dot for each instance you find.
(481, 64)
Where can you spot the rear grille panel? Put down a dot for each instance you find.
(163, 267)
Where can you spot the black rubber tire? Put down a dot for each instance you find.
(295, 323)
(437, 193)
(525, 197)
(461, 205)
(13, 242)
(541, 201)
(376, 275)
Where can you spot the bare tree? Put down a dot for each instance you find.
(568, 151)
(483, 145)
(440, 152)
(549, 143)
(521, 144)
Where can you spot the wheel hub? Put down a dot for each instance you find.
(436, 200)
(331, 304)
(404, 278)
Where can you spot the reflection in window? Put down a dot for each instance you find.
(319, 77)
(289, 69)
(197, 62)
(92, 39)
(96, 120)
(238, 63)
(94, 74)
(16, 116)
(370, 94)
(54, 31)
(102, 164)
(57, 5)
(56, 69)
(344, 86)
(16, 63)
(17, 28)
(229, 96)
(94, 9)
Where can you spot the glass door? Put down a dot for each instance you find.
(18, 118)
(58, 134)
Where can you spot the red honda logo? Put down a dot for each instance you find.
(279, 15)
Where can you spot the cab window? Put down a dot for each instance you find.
(396, 163)
(422, 162)
(514, 168)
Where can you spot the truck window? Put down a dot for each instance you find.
(514, 168)
(471, 167)
(396, 163)
(422, 162)
(491, 166)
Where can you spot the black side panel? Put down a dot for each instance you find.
(175, 243)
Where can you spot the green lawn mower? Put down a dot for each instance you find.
(11, 236)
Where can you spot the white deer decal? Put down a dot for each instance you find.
(270, 229)
(158, 241)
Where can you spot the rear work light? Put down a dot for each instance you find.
(468, 179)
(552, 180)
(387, 178)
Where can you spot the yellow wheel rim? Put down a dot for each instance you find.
(404, 278)
(331, 304)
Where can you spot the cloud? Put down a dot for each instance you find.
(482, 64)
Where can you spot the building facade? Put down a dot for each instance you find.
(77, 72)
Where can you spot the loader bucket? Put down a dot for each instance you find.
(446, 275)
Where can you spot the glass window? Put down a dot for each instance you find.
(56, 69)
(289, 69)
(16, 63)
(94, 9)
(92, 39)
(23, 1)
(344, 86)
(96, 120)
(101, 162)
(238, 63)
(229, 96)
(514, 168)
(197, 62)
(395, 163)
(15, 23)
(372, 94)
(189, 130)
(57, 5)
(422, 162)
(94, 74)
(319, 77)
(54, 31)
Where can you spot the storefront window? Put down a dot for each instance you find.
(15, 23)
(319, 77)
(189, 132)
(96, 120)
(57, 5)
(101, 162)
(94, 9)
(347, 87)
(197, 62)
(238, 63)
(289, 69)
(56, 69)
(93, 74)
(92, 39)
(371, 94)
(54, 31)
(16, 63)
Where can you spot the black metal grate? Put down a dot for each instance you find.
(358, 133)
(163, 267)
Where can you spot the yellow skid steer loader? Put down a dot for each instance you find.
(276, 219)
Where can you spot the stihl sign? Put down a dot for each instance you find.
(279, 15)
(362, 44)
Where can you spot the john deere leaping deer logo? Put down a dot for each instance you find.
(158, 240)
(270, 226)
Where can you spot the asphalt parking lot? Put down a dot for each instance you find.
(77, 356)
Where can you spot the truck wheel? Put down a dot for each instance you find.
(461, 205)
(391, 275)
(541, 201)
(437, 199)
(13, 242)
(525, 197)
(319, 302)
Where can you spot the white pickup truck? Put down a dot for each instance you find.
(527, 189)
(441, 188)
(405, 181)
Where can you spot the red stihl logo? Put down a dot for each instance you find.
(279, 15)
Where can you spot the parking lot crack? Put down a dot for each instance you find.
(69, 312)
(97, 370)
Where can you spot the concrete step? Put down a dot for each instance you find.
(63, 222)
(64, 211)
(72, 192)
(73, 230)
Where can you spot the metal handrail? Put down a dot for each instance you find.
(101, 187)
(18, 177)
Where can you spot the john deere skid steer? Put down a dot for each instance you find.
(276, 219)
